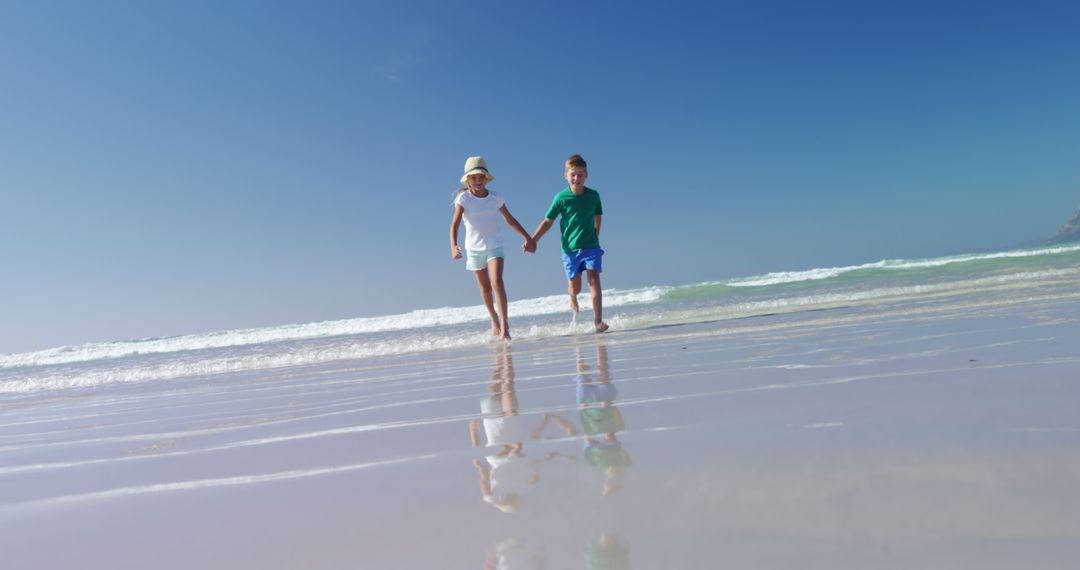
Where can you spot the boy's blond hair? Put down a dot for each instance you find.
(576, 162)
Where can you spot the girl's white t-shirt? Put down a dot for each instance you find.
(481, 220)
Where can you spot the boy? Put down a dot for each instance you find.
(580, 212)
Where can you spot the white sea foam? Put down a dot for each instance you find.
(142, 370)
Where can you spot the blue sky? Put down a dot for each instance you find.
(180, 167)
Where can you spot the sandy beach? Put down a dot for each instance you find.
(938, 434)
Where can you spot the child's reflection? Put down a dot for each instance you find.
(505, 473)
(601, 420)
(514, 554)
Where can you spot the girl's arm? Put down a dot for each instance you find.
(474, 433)
(485, 477)
(455, 223)
(530, 244)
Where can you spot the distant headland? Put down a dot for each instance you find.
(1070, 231)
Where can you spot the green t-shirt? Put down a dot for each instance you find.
(576, 218)
(601, 420)
(609, 454)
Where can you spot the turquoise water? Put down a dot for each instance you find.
(972, 279)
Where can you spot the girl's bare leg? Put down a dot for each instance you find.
(495, 275)
(484, 283)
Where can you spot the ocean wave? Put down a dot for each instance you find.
(169, 368)
(414, 320)
(829, 299)
(232, 360)
(818, 274)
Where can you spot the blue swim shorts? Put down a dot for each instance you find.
(576, 261)
(477, 260)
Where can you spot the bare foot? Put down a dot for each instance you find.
(601, 327)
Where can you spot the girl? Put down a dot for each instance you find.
(483, 241)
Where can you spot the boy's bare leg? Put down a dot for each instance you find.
(597, 300)
(574, 288)
(495, 274)
(485, 293)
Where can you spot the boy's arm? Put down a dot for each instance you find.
(542, 229)
(596, 222)
(455, 223)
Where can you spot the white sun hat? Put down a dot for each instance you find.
(476, 165)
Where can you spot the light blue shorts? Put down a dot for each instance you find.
(477, 260)
(576, 261)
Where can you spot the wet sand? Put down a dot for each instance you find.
(942, 435)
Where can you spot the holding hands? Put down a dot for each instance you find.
(529, 246)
